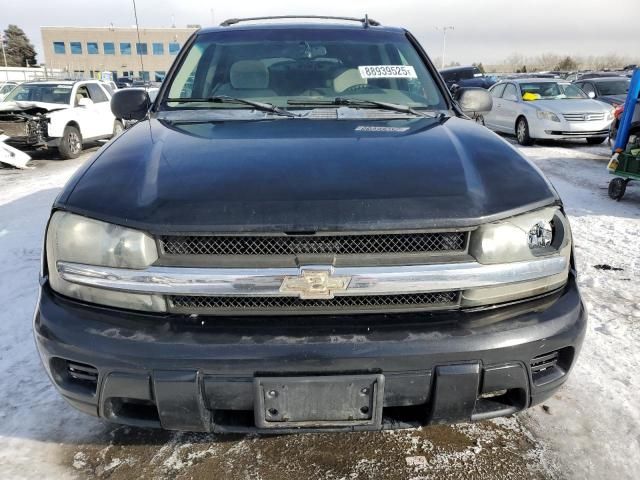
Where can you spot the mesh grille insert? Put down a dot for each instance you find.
(203, 304)
(315, 244)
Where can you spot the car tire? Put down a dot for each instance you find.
(595, 140)
(617, 187)
(70, 143)
(118, 128)
(522, 132)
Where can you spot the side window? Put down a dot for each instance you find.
(496, 92)
(81, 93)
(466, 74)
(587, 88)
(510, 92)
(96, 93)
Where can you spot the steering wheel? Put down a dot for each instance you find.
(358, 87)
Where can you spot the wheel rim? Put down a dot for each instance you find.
(521, 130)
(74, 142)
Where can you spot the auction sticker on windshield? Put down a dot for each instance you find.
(387, 71)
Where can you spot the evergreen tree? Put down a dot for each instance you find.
(18, 48)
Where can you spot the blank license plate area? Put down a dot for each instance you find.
(319, 401)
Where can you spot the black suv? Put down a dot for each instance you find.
(304, 231)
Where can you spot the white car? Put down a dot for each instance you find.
(62, 114)
(539, 108)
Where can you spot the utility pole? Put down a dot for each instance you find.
(4, 55)
(444, 41)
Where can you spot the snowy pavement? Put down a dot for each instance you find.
(589, 429)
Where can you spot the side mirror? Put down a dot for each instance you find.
(130, 104)
(591, 94)
(474, 100)
(85, 102)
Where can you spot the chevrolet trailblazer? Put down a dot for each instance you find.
(305, 231)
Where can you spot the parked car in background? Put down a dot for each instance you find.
(466, 77)
(5, 88)
(124, 82)
(538, 108)
(306, 232)
(611, 90)
(62, 114)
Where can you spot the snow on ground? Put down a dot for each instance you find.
(590, 429)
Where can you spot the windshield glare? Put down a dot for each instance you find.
(550, 91)
(60, 94)
(617, 87)
(293, 66)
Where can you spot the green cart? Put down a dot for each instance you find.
(625, 162)
(627, 169)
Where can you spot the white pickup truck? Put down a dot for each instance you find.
(62, 114)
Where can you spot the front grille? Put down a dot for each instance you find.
(583, 117)
(367, 244)
(282, 305)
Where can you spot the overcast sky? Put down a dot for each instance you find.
(485, 30)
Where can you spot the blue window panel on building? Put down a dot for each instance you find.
(125, 48)
(92, 48)
(174, 48)
(141, 48)
(58, 47)
(158, 49)
(76, 48)
(109, 48)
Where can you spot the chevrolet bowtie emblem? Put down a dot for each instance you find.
(314, 284)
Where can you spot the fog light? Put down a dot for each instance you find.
(540, 235)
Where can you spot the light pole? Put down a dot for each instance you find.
(444, 40)
(4, 55)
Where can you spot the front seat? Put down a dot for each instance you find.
(348, 78)
(247, 78)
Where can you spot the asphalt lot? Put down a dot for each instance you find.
(590, 429)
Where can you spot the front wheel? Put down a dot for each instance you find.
(70, 143)
(595, 140)
(617, 187)
(522, 132)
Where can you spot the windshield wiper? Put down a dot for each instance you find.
(357, 102)
(264, 107)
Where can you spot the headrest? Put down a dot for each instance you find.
(251, 74)
(347, 79)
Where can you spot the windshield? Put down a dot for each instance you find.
(46, 93)
(289, 67)
(617, 87)
(550, 91)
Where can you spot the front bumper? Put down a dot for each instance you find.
(200, 373)
(546, 129)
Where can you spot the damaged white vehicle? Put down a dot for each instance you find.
(62, 114)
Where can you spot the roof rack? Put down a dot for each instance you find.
(366, 21)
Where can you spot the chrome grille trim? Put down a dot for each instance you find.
(242, 305)
(583, 117)
(321, 244)
(268, 281)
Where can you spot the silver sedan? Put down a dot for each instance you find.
(539, 108)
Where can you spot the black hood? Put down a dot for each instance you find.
(306, 175)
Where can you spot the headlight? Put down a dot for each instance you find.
(610, 114)
(76, 239)
(547, 116)
(541, 233)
